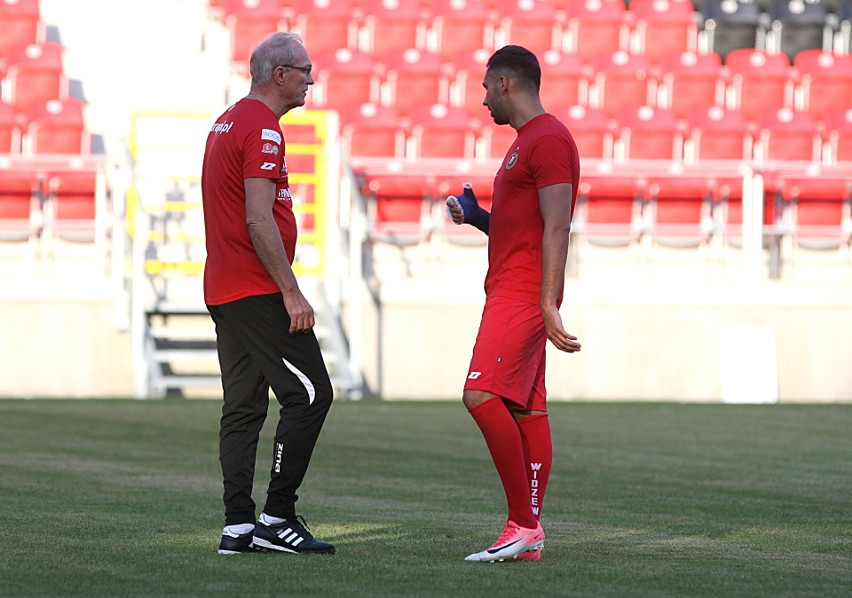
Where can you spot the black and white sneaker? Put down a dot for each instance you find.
(290, 536)
(236, 543)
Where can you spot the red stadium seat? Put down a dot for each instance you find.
(398, 210)
(678, 210)
(649, 134)
(621, 81)
(441, 131)
(20, 25)
(34, 75)
(467, 90)
(494, 140)
(529, 23)
(825, 82)
(564, 81)
(74, 201)
(838, 127)
(344, 78)
(249, 22)
(595, 28)
(57, 127)
(460, 27)
(391, 27)
(373, 132)
(785, 135)
(20, 206)
(10, 131)
(591, 130)
(662, 28)
(819, 209)
(413, 79)
(691, 81)
(326, 25)
(760, 82)
(718, 134)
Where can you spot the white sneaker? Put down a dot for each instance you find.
(513, 541)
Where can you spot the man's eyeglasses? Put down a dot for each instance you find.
(305, 69)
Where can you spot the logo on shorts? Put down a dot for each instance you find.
(513, 159)
(474, 375)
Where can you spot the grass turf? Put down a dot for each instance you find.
(122, 498)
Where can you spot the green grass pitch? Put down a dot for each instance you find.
(122, 498)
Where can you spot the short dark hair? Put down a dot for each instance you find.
(519, 63)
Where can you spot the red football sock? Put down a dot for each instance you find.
(538, 457)
(507, 450)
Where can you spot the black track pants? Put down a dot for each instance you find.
(256, 352)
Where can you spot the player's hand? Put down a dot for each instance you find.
(454, 210)
(465, 209)
(561, 339)
(300, 311)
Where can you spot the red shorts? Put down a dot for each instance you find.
(508, 357)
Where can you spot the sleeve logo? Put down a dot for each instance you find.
(268, 166)
(270, 148)
(270, 135)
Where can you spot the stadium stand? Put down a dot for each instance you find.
(390, 27)
(57, 127)
(760, 82)
(249, 21)
(529, 23)
(372, 131)
(825, 82)
(797, 25)
(595, 28)
(34, 74)
(20, 25)
(732, 24)
(690, 81)
(460, 27)
(344, 78)
(564, 81)
(817, 209)
(718, 134)
(661, 28)
(787, 135)
(10, 130)
(621, 81)
(326, 25)
(414, 78)
(466, 88)
(440, 131)
(838, 126)
(21, 218)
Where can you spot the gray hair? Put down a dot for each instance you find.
(277, 49)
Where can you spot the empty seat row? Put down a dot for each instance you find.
(382, 27)
(753, 81)
(61, 203)
(51, 127)
(586, 28)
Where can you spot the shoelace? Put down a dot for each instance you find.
(510, 530)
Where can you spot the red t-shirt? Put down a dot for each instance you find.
(543, 154)
(245, 142)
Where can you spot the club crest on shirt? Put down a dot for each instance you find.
(513, 159)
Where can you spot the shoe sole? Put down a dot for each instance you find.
(266, 544)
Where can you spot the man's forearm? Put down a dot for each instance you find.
(270, 249)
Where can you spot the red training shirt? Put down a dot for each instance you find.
(245, 142)
(543, 154)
